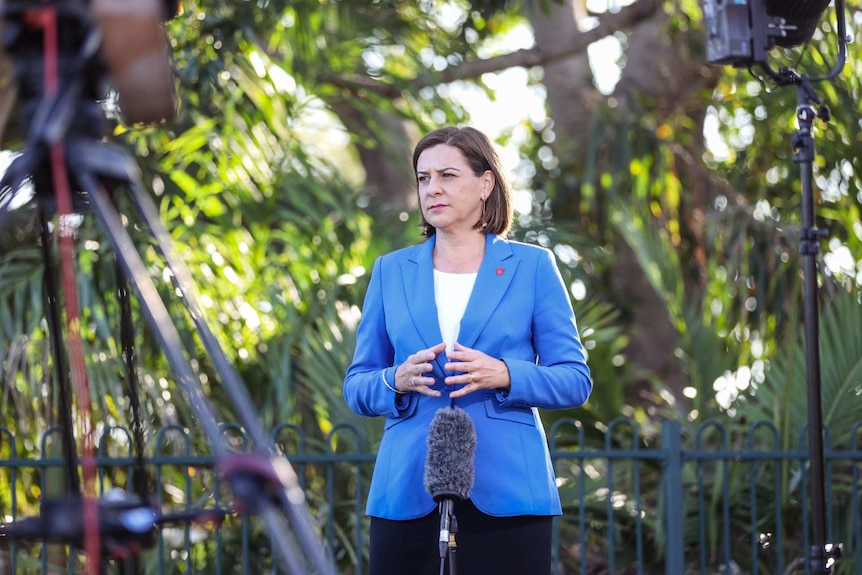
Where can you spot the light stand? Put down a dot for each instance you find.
(741, 33)
(823, 556)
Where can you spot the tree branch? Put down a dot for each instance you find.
(576, 44)
(572, 46)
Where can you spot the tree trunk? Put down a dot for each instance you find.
(572, 97)
(659, 78)
(390, 187)
(663, 78)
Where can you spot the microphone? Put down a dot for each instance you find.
(449, 472)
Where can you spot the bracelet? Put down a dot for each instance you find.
(386, 383)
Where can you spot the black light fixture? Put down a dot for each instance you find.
(799, 18)
(741, 32)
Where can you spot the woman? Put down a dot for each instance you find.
(471, 320)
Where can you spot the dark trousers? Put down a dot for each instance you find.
(485, 545)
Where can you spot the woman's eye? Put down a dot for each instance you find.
(422, 179)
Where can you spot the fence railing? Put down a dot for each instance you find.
(705, 500)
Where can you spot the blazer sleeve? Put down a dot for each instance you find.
(558, 376)
(364, 389)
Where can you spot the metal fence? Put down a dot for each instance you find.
(704, 500)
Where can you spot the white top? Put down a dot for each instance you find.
(451, 293)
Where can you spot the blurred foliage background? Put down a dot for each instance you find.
(666, 187)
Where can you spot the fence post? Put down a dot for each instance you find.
(674, 512)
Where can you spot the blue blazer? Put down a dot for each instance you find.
(520, 312)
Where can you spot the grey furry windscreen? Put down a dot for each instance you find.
(449, 466)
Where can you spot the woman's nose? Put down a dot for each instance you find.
(434, 187)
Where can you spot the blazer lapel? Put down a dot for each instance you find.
(495, 274)
(417, 276)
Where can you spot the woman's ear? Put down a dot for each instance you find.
(488, 182)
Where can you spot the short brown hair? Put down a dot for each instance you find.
(481, 155)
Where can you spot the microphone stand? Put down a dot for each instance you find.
(453, 547)
(823, 556)
(448, 530)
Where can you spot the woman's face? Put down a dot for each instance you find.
(450, 194)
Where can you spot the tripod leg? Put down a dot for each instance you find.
(113, 163)
(16, 174)
(152, 305)
(290, 499)
(4, 211)
(61, 367)
(183, 280)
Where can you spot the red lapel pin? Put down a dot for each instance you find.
(500, 271)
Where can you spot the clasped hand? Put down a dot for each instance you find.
(479, 371)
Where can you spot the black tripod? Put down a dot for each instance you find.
(823, 556)
(60, 123)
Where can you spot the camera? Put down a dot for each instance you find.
(95, 42)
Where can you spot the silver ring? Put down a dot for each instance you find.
(413, 381)
(472, 378)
